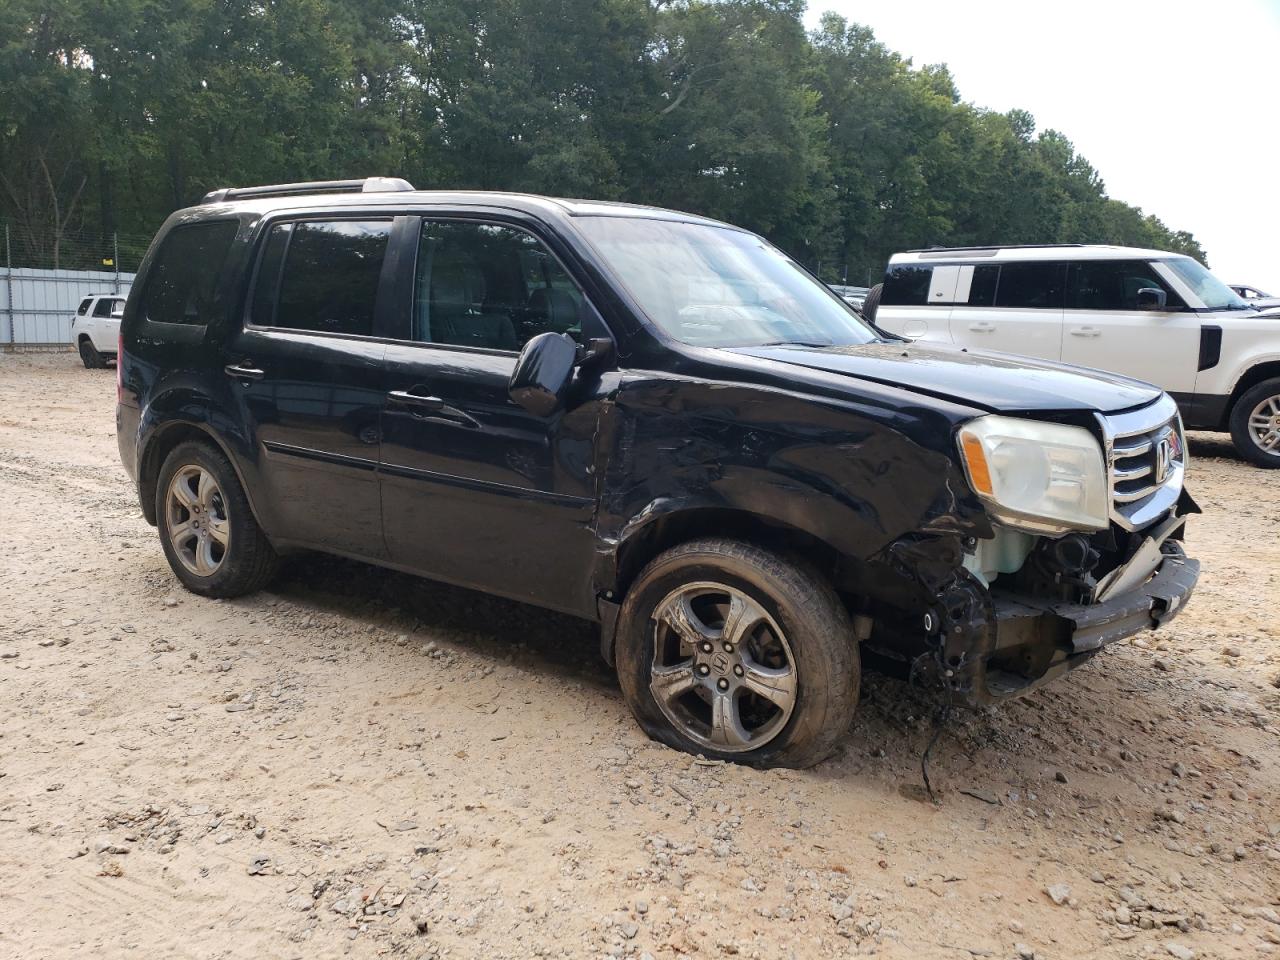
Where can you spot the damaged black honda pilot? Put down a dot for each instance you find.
(650, 420)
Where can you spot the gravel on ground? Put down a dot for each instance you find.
(356, 763)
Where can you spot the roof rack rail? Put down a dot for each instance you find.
(998, 246)
(367, 185)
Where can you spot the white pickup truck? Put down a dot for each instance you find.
(1148, 314)
(95, 329)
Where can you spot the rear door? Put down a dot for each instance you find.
(1011, 307)
(475, 489)
(1105, 329)
(309, 364)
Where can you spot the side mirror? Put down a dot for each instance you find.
(1152, 298)
(597, 351)
(543, 372)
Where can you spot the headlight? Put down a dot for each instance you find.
(1042, 477)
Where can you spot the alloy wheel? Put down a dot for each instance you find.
(1264, 425)
(197, 522)
(723, 672)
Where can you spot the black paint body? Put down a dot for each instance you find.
(841, 451)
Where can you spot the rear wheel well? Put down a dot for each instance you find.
(676, 528)
(154, 456)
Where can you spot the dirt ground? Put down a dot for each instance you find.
(356, 763)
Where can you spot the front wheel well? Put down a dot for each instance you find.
(1250, 379)
(673, 529)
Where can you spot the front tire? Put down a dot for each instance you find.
(90, 356)
(209, 535)
(1255, 424)
(730, 651)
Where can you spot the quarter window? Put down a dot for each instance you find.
(321, 276)
(906, 285)
(1114, 285)
(182, 283)
(84, 306)
(491, 286)
(1031, 285)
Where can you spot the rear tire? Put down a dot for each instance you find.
(1255, 421)
(89, 355)
(730, 651)
(209, 535)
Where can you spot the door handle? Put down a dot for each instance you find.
(1085, 332)
(982, 326)
(420, 401)
(243, 371)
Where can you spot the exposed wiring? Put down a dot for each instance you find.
(941, 717)
(944, 714)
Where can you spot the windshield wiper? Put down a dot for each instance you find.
(799, 343)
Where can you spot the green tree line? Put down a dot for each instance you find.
(115, 112)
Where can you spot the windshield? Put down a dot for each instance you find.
(1215, 294)
(717, 287)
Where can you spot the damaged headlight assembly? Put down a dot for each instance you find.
(1046, 478)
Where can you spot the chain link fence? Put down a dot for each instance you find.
(44, 250)
(42, 280)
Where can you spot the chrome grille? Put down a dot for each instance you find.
(1146, 458)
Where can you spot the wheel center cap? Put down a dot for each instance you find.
(720, 663)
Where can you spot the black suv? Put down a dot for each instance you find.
(646, 419)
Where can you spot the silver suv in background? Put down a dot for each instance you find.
(1255, 297)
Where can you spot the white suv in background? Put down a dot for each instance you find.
(1147, 314)
(95, 329)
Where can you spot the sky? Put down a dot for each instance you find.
(1176, 104)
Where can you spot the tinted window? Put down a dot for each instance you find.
(182, 284)
(84, 306)
(267, 282)
(485, 285)
(906, 286)
(982, 288)
(103, 307)
(1036, 285)
(328, 275)
(1114, 285)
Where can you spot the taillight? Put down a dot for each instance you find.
(120, 368)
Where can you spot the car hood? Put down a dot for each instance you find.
(1000, 382)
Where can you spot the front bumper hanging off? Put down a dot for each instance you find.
(1037, 641)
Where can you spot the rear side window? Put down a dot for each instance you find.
(1114, 285)
(906, 285)
(103, 307)
(84, 306)
(321, 276)
(1031, 285)
(982, 286)
(182, 283)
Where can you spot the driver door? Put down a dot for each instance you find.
(1105, 329)
(476, 490)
